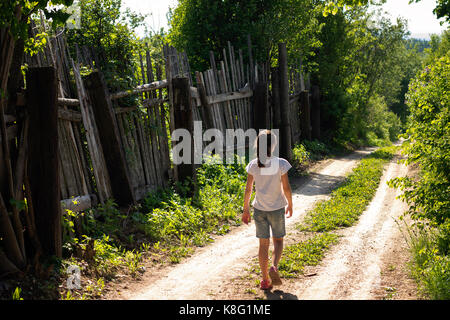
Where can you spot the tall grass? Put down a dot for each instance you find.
(429, 266)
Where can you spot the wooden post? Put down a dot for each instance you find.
(315, 112)
(250, 59)
(261, 106)
(276, 99)
(98, 93)
(183, 119)
(305, 116)
(206, 107)
(285, 130)
(43, 157)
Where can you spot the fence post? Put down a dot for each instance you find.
(315, 112)
(43, 157)
(276, 99)
(183, 119)
(285, 130)
(105, 118)
(206, 108)
(305, 116)
(261, 106)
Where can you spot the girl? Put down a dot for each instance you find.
(272, 202)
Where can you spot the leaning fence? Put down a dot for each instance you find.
(232, 94)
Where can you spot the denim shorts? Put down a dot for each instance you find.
(267, 220)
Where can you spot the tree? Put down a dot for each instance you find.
(359, 70)
(199, 26)
(110, 33)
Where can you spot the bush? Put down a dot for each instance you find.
(383, 126)
(429, 132)
(301, 155)
(218, 201)
(428, 195)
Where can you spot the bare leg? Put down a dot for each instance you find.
(264, 257)
(277, 251)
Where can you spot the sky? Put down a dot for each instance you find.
(421, 20)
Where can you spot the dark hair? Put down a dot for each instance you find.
(270, 139)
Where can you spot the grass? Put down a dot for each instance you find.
(429, 267)
(308, 253)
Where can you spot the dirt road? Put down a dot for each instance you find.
(352, 270)
(205, 275)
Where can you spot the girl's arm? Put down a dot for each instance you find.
(248, 193)
(287, 193)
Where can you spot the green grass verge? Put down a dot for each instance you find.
(308, 253)
(429, 268)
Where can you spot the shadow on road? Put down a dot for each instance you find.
(280, 295)
(318, 184)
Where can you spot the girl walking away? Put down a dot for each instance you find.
(273, 201)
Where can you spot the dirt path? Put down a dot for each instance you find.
(203, 275)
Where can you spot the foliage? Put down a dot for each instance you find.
(18, 23)
(110, 32)
(314, 150)
(231, 20)
(361, 63)
(173, 216)
(350, 200)
(429, 268)
(16, 294)
(429, 148)
(300, 154)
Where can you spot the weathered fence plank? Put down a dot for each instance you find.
(285, 132)
(183, 116)
(315, 112)
(109, 136)
(43, 157)
(305, 116)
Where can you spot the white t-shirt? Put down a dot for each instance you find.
(269, 193)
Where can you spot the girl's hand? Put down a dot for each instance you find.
(289, 211)
(246, 218)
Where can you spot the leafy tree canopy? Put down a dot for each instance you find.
(15, 14)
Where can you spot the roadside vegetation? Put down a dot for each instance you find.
(428, 192)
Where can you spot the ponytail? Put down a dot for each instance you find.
(270, 140)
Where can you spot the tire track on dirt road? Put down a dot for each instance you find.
(202, 276)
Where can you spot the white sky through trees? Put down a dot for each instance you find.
(421, 20)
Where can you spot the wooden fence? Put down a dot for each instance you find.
(225, 96)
